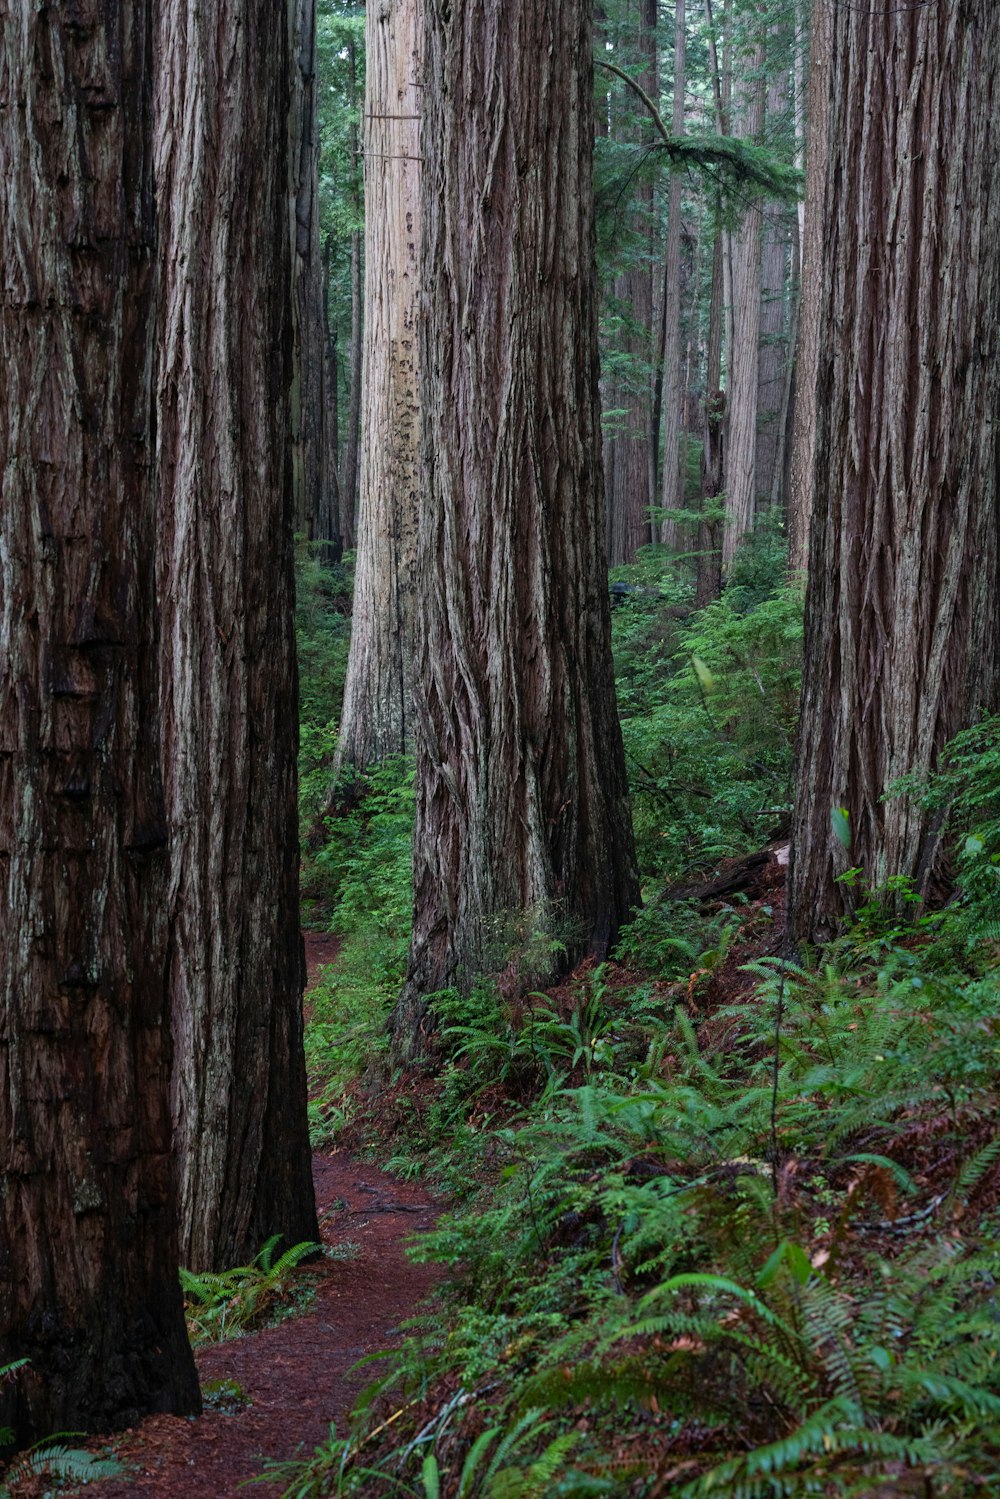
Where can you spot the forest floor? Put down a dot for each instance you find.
(295, 1376)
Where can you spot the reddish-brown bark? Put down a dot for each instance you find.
(229, 691)
(523, 832)
(88, 1243)
(901, 620)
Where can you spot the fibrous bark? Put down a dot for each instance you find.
(352, 439)
(228, 658)
(807, 355)
(902, 625)
(627, 465)
(741, 413)
(308, 405)
(377, 717)
(673, 482)
(88, 1242)
(773, 350)
(523, 832)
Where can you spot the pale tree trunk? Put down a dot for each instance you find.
(629, 496)
(741, 442)
(307, 403)
(901, 619)
(523, 832)
(88, 1241)
(377, 717)
(673, 483)
(229, 685)
(807, 356)
(773, 357)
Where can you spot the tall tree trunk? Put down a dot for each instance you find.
(229, 689)
(673, 481)
(773, 356)
(352, 438)
(629, 496)
(329, 532)
(741, 414)
(709, 576)
(307, 406)
(523, 834)
(902, 630)
(88, 1241)
(807, 357)
(377, 716)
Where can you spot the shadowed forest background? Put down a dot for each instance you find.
(512, 490)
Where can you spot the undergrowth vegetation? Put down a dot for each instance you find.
(226, 1304)
(724, 1219)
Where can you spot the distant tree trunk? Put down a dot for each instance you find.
(229, 685)
(329, 532)
(523, 832)
(673, 482)
(709, 574)
(807, 356)
(88, 1241)
(629, 496)
(377, 716)
(352, 441)
(773, 355)
(741, 414)
(307, 406)
(902, 630)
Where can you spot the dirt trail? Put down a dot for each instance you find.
(296, 1374)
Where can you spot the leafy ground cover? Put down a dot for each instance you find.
(724, 1216)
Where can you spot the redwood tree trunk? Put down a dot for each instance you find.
(627, 465)
(741, 415)
(673, 477)
(229, 690)
(772, 367)
(308, 412)
(800, 497)
(708, 583)
(523, 831)
(352, 439)
(377, 716)
(902, 624)
(88, 1242)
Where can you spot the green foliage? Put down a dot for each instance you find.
(53, 1459)
(366, 863)
(322, 627)
(710, 1264)
(229, 1303)
(710, 769)
(965, 793)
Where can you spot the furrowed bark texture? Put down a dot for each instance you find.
(807, 357)
(708, 584)
(773, 343)
(352, 441)
(377, 717)
(308, 403)
(523, 822)
(228, 658)
(741, 413)
(626, 460)
(673, 479)
(88, 1241)
(902, 624)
